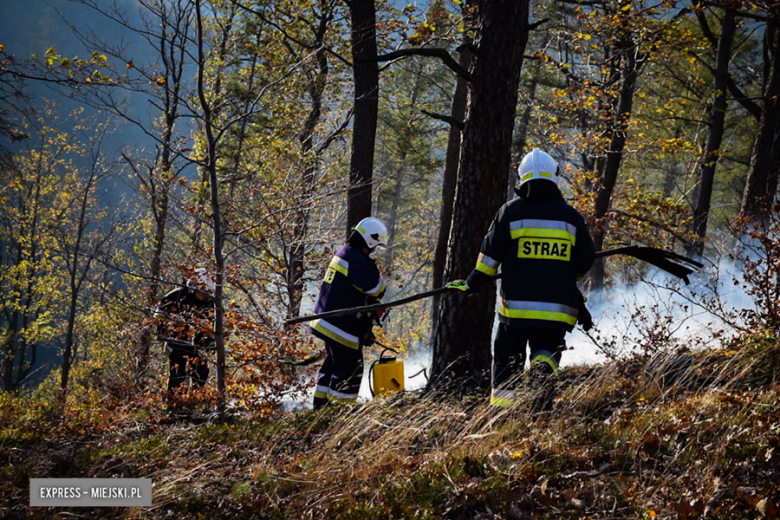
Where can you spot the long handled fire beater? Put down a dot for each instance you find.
(387, 373)
(677, 265)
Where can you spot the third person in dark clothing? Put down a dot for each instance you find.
(185, 320)
(544, 247)
(352, 280)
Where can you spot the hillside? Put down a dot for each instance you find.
(685, 435)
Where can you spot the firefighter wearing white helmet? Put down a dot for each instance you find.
(351, 280)
(373, 231)
(542, 246)
(537, 165)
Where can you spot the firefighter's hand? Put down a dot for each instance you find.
(460, 285)
(368, 339)
(584, 317)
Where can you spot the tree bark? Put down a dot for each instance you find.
(366, 76)
(609, 174)
(627, 63)
(219, 239)
(761, 186)
(451, 159)
(462, 343)
(296, 264)
(711, 155)
(394, 205)
(525, 121)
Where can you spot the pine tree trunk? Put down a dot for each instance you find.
(762, 179)
(709, 160)
(462, 344)
(451, 159)
(366, 74)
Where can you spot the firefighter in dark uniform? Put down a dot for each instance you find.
(544, 247)
(185, 318)
(352, 280)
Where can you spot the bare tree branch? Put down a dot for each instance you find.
(443, 55)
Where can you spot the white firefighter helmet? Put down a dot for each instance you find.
(202, 281)
(537, 165)
(373, 231)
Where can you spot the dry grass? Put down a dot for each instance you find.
(681, 435)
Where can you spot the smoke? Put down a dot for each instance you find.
(661, 307)
(628, 317)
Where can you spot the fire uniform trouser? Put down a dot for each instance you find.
(340, 376)
(546, 345)
(183, 362)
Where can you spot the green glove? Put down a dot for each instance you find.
(460, 285)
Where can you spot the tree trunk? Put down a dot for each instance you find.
(67, 356)
(451, 159)
(396, 202)
(219, 239)
(525, 121)
(717, 124)
(296, 265)
(366, 75)
(761, 185)
(609, 167)
(462, 344)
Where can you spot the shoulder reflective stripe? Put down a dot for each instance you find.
(379, 287)
(336, 334)
(545, 357)
(531, 227)
(340, 265)
(486, 265)
(501, 402)
(538, 311)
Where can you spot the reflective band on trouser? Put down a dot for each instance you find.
(341, 397)
(487, 265)
(538, 311)
(503, 398)
(544, 356)
(322, 392)
(336, 334)
(378, 289)
(531, 227)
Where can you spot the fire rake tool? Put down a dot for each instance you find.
(677, 265)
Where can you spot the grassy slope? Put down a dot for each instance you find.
(624, 441)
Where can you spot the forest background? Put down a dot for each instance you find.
(144, 139)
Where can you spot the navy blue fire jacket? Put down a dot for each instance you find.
(352, 280)
(544, 247)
